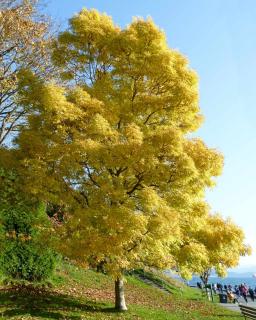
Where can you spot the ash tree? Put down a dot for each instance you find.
(112, 145)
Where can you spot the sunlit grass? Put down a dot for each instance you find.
(84, 294)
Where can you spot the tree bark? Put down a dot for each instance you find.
(120, 304)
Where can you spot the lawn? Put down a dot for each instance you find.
(84, 294)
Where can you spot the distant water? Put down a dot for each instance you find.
(250, 281)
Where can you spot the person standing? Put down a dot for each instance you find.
(237, 293)
(244, 292)
(251, 293)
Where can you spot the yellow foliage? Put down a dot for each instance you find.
(222, 241)
(111, 145)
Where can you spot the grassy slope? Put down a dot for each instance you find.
(80, 294)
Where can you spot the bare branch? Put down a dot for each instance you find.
(136, 185)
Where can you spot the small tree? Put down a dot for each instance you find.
(220, 244)
(225, 244)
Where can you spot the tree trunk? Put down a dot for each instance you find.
(119, 295)
(205, 277)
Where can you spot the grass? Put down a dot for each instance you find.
(83, 294)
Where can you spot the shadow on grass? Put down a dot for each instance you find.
(48, 305)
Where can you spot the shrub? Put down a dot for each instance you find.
(25, 255)
(27, 261)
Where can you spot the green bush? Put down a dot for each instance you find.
(25, 248)
(27, 261)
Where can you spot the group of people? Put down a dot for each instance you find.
(240, 291)
(234, 293)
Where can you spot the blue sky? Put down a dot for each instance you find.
(219, 38)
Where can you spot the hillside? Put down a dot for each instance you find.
(84, 294)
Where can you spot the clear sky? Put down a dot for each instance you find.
(219, 38)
